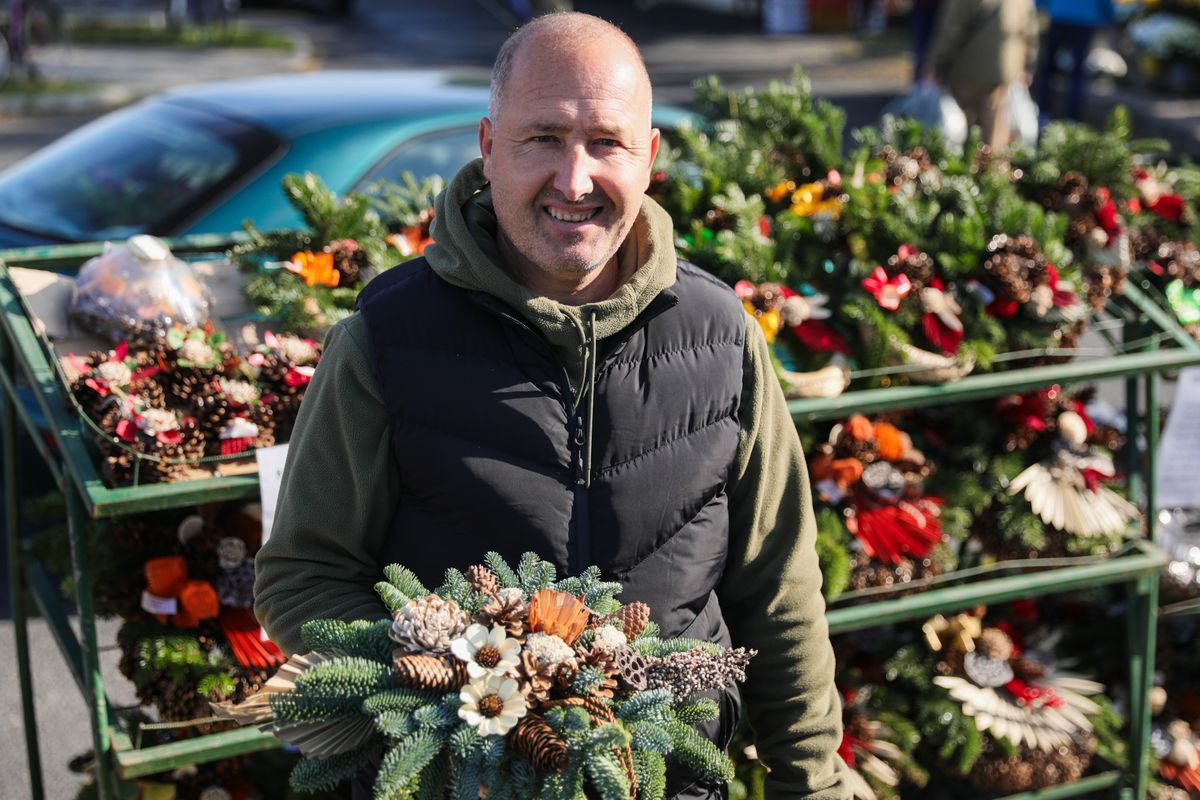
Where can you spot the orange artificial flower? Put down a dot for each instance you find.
(315, 268)
(780, 191)
(889, 441)
(846, 472)
(558, 613)
(860, 428)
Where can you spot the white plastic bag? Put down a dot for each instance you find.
(1022, 114)
(932, 105)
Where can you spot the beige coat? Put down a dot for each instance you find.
(984, 43)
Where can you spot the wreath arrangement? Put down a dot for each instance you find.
(994, 704)
(505, 682)
(876, 524)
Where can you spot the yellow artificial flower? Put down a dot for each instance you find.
(808, 200)
(770, 321)
(779, 191)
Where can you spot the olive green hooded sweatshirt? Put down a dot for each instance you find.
(340, 488)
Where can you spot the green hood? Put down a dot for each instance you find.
(465, 254)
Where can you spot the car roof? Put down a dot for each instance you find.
(302, 102)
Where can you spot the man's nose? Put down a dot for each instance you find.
(574, 177)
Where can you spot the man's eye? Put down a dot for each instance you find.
(608, 143)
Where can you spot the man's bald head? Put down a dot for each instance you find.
(560, 34)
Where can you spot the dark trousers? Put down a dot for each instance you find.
(923, 22)
(1077, 40)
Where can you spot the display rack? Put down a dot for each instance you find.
(35, 400)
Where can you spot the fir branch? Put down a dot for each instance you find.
(313, 775)
(534, 573)
(607, 775)
(400, 699)
(496, 563)
(455, 587)
(651, 705)
(404, 762)
(395, 724)
(700, 709)
(332, 688)
(649, 736)
(405, 581)
(698, 753)
(653, 646)
(650, 768)
(435, 717)
(359, 639)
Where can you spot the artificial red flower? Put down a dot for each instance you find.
(846, 750)
(1106, 216)
(889, 533)
(816, 335)
(1134, 205)
(888, 291)
(1003, 309)
(1170, 207)
(1062, 297)
(1028, 695)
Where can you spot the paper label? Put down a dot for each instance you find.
(158, 605)
(1179, 447)
(270, 478)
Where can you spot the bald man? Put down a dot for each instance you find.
(550, 377)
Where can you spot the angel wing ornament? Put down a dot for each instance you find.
(1066, 490)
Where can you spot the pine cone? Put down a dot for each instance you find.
(483, 580)
(538, 681)
(427, 624)
(430, 673)
(995, 644)
(349, 259)
(632, 667)
(1145, 242)
(633, 618)
(918, 267)
(509, 609)
(1027, 669)
(534, 739)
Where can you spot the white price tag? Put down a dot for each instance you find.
(158, 605)
(1179, 447)
(270, 477)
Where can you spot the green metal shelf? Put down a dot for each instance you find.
(28, 358)
(1145, 560)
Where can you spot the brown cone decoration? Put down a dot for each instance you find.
(534, 739)
(483, 580)
(633, 618)
(430, 673)
(505, 611)
(537, 680)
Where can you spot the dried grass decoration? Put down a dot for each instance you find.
(502, 683)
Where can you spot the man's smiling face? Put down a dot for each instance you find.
(569, 157)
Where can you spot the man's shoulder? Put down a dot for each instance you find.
(412, 275)
(695, 285)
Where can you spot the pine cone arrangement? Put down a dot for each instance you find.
(483, 580)
(534, 739)
(507, 609)
(1014, 267)
(430, 673)
(539, 681)
(427, 624)
(349, 259)
(916, 265)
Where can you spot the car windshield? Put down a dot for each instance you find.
(143, 170)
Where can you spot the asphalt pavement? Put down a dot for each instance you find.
(679, 43)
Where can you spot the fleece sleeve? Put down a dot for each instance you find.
(339, 490)
(771, 595)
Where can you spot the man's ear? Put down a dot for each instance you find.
(485, 145)
(655, 141)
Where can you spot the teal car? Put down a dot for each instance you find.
(205, 158)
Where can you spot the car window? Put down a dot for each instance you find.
(136, 171)
(441, 153)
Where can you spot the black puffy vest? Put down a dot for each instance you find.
(491, 450)
(489, 445)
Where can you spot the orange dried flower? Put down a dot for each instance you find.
(846, 471)
(558, 613)
(315, 268)
(860, 428)
(889, 441)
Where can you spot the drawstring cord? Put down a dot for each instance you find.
(591, 397)
(589, 367)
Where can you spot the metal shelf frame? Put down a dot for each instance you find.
(26, 359)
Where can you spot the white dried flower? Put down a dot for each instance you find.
(486, 652)
(196, 351)
(428, 624)
(546, 648)
(157, 420)
(239, 392)
(297, 350)
(115, 373)
(492, 705)
(608, 639)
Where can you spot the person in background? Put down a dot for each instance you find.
(923, 20)
(1073, 23)
(979, 48)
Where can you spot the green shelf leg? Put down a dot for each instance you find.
(1141, 617)
(78, 528)
(16, 575)
(1153, 422)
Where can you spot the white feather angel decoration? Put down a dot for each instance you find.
(1066, 490)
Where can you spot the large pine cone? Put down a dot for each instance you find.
(349, 259)
(633, 618)
(508, 609)
(534, 739)
(428, 624)
(430, 673)
(538, 681)
(483, 580)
